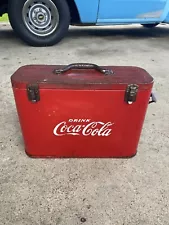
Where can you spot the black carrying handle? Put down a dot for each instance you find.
(80, 66)
(153, 98)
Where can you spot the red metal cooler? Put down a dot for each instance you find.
(81, 110)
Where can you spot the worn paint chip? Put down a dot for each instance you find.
(155, 14)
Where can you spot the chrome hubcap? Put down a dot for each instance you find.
(40, 17)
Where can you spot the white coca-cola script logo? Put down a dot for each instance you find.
(84, 127)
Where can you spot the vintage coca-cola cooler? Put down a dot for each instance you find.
(81, 110)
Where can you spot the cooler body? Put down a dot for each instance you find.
(81, 112)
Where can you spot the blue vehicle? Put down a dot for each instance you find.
(46, 22)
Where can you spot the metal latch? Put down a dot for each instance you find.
(131, 93)
(33, 92)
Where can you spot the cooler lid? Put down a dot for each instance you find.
(81, 76)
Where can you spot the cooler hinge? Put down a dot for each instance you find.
(131, 93)
(33, 92)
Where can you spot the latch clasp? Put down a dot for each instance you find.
(131, 93)
(33, 92)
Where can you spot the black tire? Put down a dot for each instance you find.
(150, 25)
(15, 10)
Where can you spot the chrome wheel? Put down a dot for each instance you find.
(41, 17)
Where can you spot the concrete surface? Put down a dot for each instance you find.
(76, 191)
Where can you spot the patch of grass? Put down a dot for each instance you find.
(4, 18)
